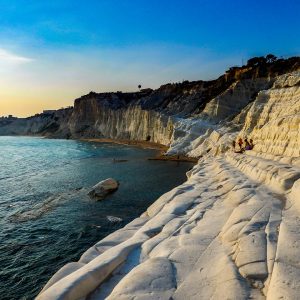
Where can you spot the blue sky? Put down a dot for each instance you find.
(54, 51)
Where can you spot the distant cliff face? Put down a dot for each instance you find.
(95, 117)
(176, 114)
(52, 125)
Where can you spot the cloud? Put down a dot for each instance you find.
(11, 58)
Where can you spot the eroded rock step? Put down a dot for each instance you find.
(217, 232)
(278, 176)
(282, 175)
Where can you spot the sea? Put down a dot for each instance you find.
(46, 216)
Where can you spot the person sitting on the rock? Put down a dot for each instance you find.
(240, 143)
(247, 145)
(233, 145)
(241, 150)
(251, 144)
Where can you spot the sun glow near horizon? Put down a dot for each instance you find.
(52, 52)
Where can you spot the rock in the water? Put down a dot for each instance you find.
(103, 188)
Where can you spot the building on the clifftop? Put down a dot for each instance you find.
(8, 117)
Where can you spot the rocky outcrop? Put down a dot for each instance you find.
(103, 188)
(49, 125)
(234, 99)
(92, 118)
(231, 231)
(277, 108)
(273, 108)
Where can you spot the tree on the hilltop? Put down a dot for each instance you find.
(271, 58)
(139, 86)
(256, 61)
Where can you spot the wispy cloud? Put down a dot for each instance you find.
(9, 57)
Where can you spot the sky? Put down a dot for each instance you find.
(52, 52)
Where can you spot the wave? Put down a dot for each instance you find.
(44, 207)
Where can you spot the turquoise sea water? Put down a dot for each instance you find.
(46, 217)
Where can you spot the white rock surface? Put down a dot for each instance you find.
(278, 107)
(231, 231)
(103, 188)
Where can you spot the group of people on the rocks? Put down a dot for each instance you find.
(242, 145)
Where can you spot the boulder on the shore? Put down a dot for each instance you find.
(103, 188)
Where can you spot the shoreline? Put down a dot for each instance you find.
(146, 145)
(139, 144)
(175, 158)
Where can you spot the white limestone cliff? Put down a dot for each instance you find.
(231, 231)
(277, 107)
(131, 123)
(197, 135)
